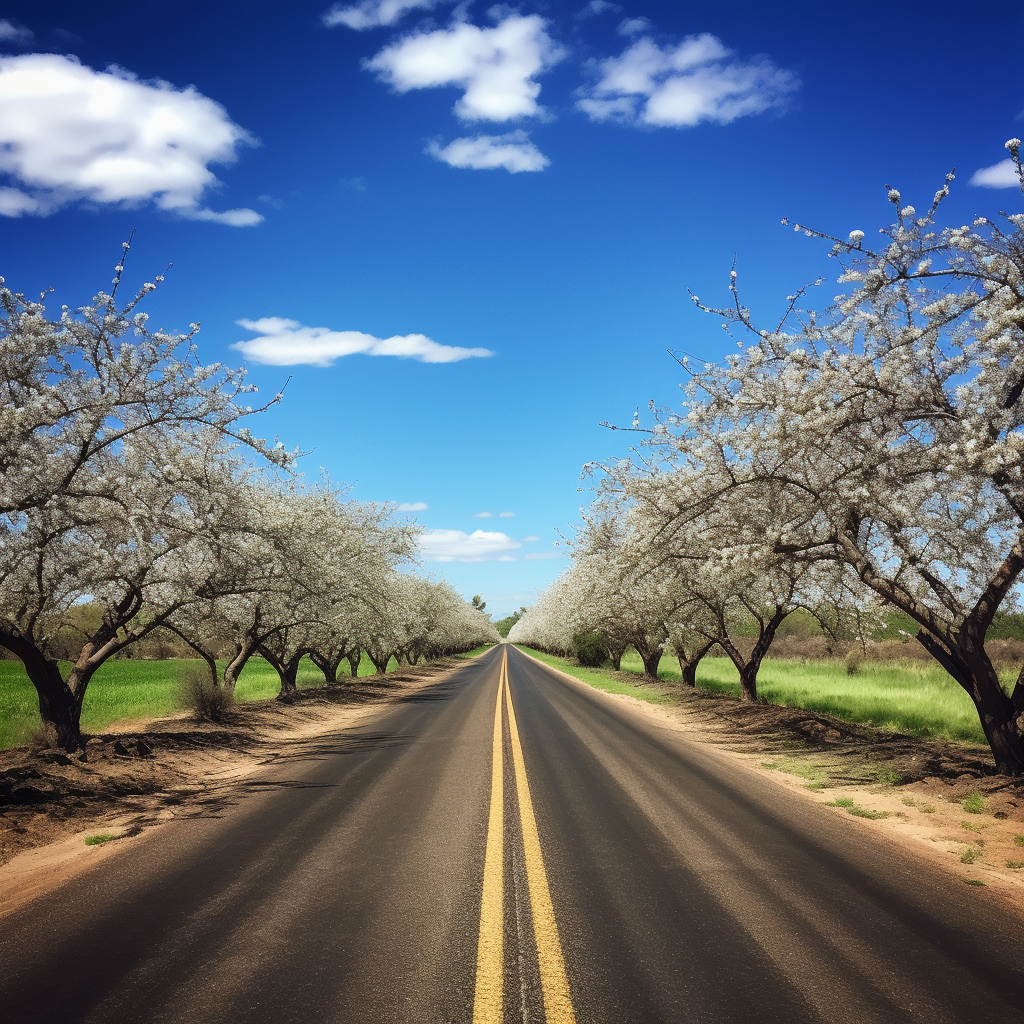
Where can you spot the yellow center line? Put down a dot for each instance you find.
(490, 957)
(553, 980)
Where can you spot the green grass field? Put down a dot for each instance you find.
(911, 697)
(134, 689)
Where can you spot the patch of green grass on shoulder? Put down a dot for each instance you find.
(476, 650)
(848, 805)
(599, 678)
(98, 839)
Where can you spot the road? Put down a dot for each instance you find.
(600, 870)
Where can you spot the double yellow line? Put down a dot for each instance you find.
(488, 1002)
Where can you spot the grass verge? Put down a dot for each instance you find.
(596, 677)
(134, 689)
(916, 698)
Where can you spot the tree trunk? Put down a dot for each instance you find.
(688, 671)
(651, 662)
(380, 662)
(60, 707)
(1002, 720)
(615, 657)
(328, 666)
(354, 657)
(60, 700)
(233, 669)
(748, 679)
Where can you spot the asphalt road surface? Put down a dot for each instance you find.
(599, 870)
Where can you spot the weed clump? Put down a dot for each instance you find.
(197, 692)
(969, 856)
(852, 662)
(1018, 840)
(1015, 864)
(97, 839)
(974, 803)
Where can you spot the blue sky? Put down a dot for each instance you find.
(540, 181)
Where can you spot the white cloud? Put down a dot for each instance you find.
(412, 506)
(14, 203)
(680, 86)
(68, 132)
(505, 515)
(597, 7)
(535, 556)
(1000, 175)
(288, 343)
(506, 558)
(482, 515)
(457, 546)
(634, 26)
(515, 152)
(16, 34)
(495, 66)
(373, 13)
(530, 538)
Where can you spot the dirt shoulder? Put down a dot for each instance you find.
(141, 774)
(939, 800)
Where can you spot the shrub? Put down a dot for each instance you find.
(198, 693)
(590, 649)
(853, 661)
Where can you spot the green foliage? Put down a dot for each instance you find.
(590, 649)
(98, 839)
(504, 625)
(1018, 840)
(969, 856)
(478, 603)
(1006, 626)
(1015, 864)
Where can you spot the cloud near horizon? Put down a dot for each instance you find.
(514, 152)
(459, 546)
(495, 67)
(284, 342)
(681, 86)
(70, 133)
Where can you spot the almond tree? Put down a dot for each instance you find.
(893, 427)
(138, 548)
(78, 386)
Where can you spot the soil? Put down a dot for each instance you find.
(141, 773)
